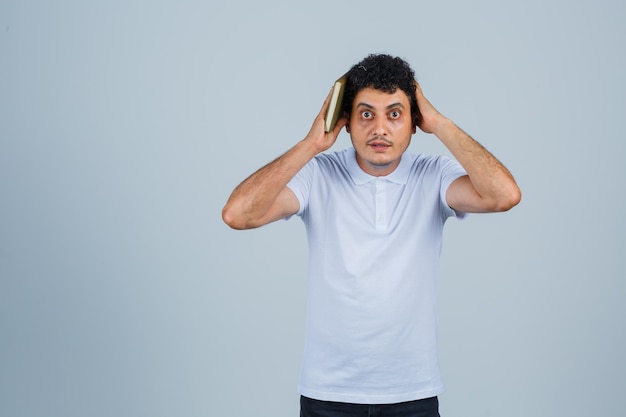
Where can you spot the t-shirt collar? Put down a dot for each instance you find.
(398, 176)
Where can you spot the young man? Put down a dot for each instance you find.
(374, 216)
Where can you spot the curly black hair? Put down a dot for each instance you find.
(382, 72)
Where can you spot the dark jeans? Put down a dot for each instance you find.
(428, 407)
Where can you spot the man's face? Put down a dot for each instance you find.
(380, 128)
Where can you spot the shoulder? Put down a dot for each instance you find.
(425, 164)
(333, 159)
(323, 167)
(332, 163)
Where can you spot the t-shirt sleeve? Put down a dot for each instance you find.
(450, 171)
(300, 185)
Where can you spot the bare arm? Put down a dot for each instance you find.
(264, 197)
(488, 186)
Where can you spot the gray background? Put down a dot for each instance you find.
(124, 125)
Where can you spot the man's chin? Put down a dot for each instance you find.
(379, 166)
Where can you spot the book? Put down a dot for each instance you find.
(334, 107)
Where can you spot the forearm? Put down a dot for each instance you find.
(254, 197)
(490, 178)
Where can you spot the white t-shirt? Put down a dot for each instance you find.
(374, 247)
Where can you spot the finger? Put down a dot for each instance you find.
(341, 122)
(418, 89)
(326, 103)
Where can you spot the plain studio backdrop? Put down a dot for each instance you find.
(125, 125)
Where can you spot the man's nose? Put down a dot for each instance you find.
(380, 127)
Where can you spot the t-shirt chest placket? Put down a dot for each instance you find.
(380, 198)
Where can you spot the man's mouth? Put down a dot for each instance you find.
(379, 145)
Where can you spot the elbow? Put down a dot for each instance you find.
(232, 220)
(509, 200)
(238, 220)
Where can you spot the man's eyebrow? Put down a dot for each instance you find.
(391, 106)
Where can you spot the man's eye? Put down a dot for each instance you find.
(394, 114)
(366, 115)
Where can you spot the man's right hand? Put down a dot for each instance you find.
(317, 136)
